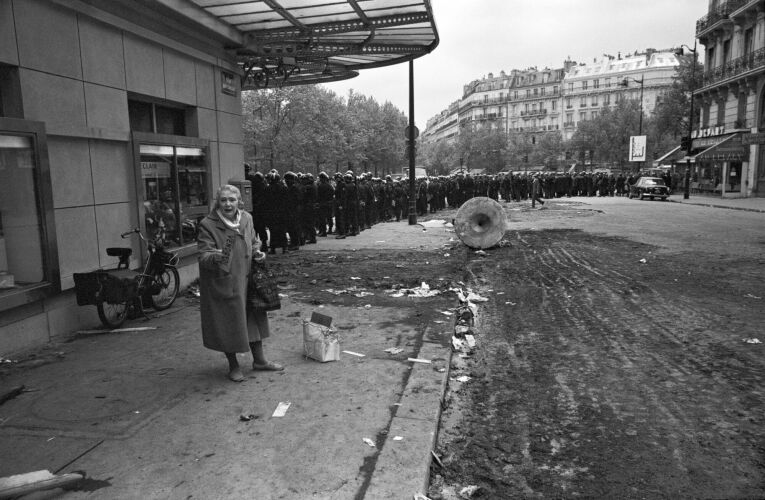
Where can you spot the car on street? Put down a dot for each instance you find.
(651, 187)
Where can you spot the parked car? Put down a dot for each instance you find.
(652, 187)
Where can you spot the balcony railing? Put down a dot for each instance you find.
(534, 112)
(753, 60)
(722, 11)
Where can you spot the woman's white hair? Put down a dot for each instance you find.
(230, 189)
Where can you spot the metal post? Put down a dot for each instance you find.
(687, 183)
(412, 190)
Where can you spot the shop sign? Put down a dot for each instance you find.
(155, 170)
(708, 132)
(707, 142)
(747, 139)
(227, 85)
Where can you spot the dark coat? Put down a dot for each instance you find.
(228, 325)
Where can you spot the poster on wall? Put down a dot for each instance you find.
(637, 147)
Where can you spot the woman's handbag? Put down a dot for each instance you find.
(262, 294)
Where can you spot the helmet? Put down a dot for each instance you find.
(323, 175)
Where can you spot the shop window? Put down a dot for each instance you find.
(175, 183)
(28, 257)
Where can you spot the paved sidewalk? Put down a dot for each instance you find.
(748, 204)
(150, 414)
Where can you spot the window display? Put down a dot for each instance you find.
(175, 193)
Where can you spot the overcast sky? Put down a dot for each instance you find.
(478, 37)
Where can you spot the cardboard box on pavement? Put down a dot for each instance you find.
(320, 342)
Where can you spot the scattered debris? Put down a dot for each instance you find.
(247, 418)
(23, 484)
(749, 295)
(193, 291)
(474, 297)
(369, 442)
(118, 330)
(508, 303)
(355, 278)
(281, 409)
(283, 295)
(447, 313)
(362, 294)
(397, 438)
(643, 261)
(480, 252)
(470, 341)
(354, 354)
(438, 321)
(418, 360)
(394, 350)
(752, 341)
(462, 379)
(438, 460)
(469, 491)
(422, 291)
(432, 223)
(461, 330)
(6, 360)
(420, 496)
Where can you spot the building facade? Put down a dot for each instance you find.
(589, 88)
(111, 117)
(533, 102)
(727, 150)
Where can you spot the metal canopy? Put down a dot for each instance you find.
(293, 42)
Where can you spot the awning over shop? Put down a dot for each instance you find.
(672, 156)
(728, 149)
(293, 42)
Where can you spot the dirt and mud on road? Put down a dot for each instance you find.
(608, 369)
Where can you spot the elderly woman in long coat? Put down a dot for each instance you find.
(226, 242)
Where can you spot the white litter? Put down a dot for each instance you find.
(355, 278)
(354, 354)
(281, 409)
(643, 261)
(480, 252)
(362, 294)
(752, 341)
(462, 378)
(469, 491)
(394, 350)
(447, 313)
(433, 223)
(470, 341)
(283, 295)
(749, 295)
(369, 442)
(418, 360)
(397, 438)
(368, 306)
(474, 297)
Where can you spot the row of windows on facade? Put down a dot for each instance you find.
(583, 85)
(569, 105)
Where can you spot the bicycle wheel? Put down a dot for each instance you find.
(112, 315)
(166, 285)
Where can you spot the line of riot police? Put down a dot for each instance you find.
(292, 211)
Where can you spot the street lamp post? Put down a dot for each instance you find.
(687, 180)
(624, 84)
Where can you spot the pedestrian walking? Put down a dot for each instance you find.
(536, 189)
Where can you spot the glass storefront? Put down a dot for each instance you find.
(28, 257)
(175, 191)
(21, 250)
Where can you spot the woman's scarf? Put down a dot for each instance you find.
(229, 223)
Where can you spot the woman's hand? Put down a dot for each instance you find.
(259, 256)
